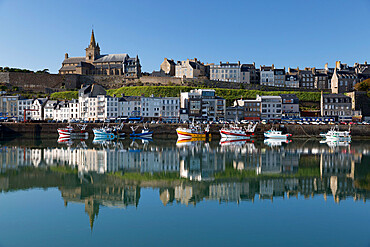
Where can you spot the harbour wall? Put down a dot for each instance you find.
(41, 130)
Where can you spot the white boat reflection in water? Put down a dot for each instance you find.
(234, 142)
(332, 143)
(275, 142)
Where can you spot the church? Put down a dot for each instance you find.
(95, 64)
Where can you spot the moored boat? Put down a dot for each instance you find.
(145, 132)
(276, 134)
(70, 132)
(234, 131)
(192, 132)
(335, 134)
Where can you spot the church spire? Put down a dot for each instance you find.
(92, 40)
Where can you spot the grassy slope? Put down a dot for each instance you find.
(174, 91)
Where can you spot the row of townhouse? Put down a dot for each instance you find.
(339, 107)
(94, 104)
(339, 79)
(268, 108)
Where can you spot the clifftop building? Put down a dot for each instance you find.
(96, 64)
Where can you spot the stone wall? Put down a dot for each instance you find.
(37, 130)
(45, 83)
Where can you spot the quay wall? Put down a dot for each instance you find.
(40, 130)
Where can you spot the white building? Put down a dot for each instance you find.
(230, 72)
(24, 104)
(129, 106)
(270, 107)
(67, 110)
(151, 107)
(49, 109)
(37, 108)
(92, 102)
(170, 109)
(111, 107)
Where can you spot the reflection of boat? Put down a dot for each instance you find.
(275, 142)
(335, 134)
(234, 131)
(336, 143)
(102, 141)
(65, 140)
(276, 134)
(143, 139)
(69, 131)
(189, 142)
(193, 131)
(145, 132)
(237, 142)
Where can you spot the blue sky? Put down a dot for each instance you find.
(36, 34)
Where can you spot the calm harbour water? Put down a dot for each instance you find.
(162, 193)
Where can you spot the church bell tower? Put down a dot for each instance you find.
(93, 50)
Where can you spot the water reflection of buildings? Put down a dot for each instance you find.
(94, 196)
(274, 170)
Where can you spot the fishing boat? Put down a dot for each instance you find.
(70, 132)
(234, 131)
(104, 133)
(110, 133)
(276, 134)
(193, 131)
(335, 134)
(145, 132)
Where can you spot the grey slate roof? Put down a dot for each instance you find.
(111, 58)
(92, 91)
(74, 60)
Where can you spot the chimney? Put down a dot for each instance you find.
(326, 66)
(272, 66)
(365, 62)
(66, 55)
(254, 64)
(288, 70)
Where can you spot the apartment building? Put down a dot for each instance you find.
(337, 106)
(279, 78)
(203, 104)
(9, 106)
(343, 81)
(168, 66)
(251, 109)
(306, 78)
(37, 108)
(129, 106)
(170, 108)
(267, 75)
(249, 74)
(111, 107)
(290, 106)
(230, 72)
(270, 107)
(24, 104)
(191, 68)
(291, 81)
(49, 109)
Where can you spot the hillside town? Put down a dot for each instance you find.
(200, 105)
(340, 101)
